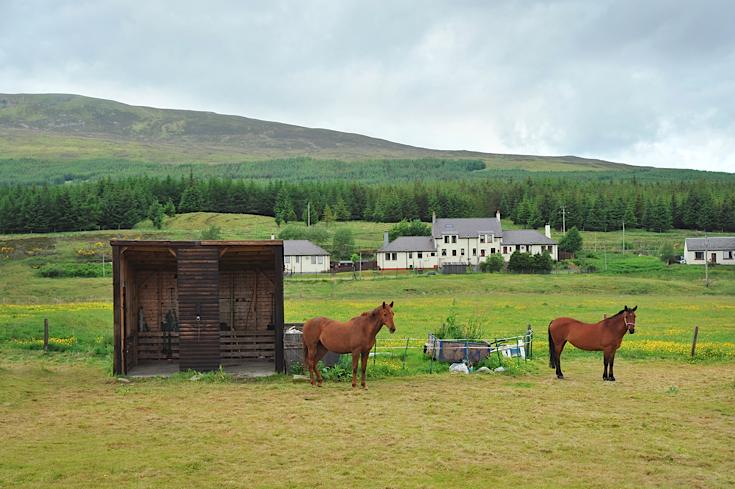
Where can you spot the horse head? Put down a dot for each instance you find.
(629, 318)
(386, 316)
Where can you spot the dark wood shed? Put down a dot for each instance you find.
(197, 304)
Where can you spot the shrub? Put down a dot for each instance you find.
(527, 263)
(212, 232)
(571, 242)
(451, 328)
(59, 270)
(493, 263)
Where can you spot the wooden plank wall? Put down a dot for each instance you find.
(246, 310)
(198, 280)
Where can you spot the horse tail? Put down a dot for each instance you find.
(552, 349)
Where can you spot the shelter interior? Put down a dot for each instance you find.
(222, 300)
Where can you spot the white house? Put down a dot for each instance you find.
(303, 256)
(407, 252)
(714, 250)
(468, 241)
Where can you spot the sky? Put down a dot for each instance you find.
(641, 82)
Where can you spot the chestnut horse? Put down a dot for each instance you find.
(604, 336)
(356, 336)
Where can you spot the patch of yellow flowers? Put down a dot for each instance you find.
(24, 310)
(704, 349)
(66, 342)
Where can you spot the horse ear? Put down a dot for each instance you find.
(391, 303)
(383, 304)
(636, 307)
(625, 308)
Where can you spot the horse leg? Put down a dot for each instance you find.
(611, 377)
(364, 367)
(559, 349)
(309, 356)
(355, 358)
(320, 352)
(606, 359)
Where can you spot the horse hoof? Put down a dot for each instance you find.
(364, 387)
(560, 377)
(611, 379)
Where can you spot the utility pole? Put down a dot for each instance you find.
(564, 219)
(308, 214)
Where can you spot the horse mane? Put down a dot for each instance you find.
(366, 314)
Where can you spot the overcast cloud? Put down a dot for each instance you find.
(643, 82)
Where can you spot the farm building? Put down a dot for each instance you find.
(303, 256)
(197, 305)
(463, 241)
(715, 250)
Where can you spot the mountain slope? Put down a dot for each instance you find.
(73, 127)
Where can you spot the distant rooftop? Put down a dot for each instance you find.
(410, 243)
(526, 237)
(722, 243)
(302, 247)
(467, 227)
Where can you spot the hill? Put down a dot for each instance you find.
(59, 127)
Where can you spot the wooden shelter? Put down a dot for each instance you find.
(198, 304)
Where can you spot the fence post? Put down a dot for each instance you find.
(529, 343)
(45, 334)
(694, 340)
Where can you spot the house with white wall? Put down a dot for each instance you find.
(464, 240)
(715, 250)
(303, 256)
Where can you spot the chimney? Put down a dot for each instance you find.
(497, 215)
(433, 217)
(547, 231)
(385, 238)
(273, 236)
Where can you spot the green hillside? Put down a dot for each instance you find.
(57, 127)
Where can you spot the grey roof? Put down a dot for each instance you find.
(714, 244)
(302, 247)
(526, 237)
(410, 243)
(467, 227)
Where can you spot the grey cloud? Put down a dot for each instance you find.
(642, 82)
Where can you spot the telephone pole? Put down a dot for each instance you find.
(623, 235)
(706, 261)
(564, 219)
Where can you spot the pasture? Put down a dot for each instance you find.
(668, 421)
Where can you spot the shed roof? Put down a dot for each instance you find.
(712, 244)
(410, 243)
(467, 227)
(302, 247)
(526, 237)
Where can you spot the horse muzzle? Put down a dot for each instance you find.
(392, 330)
(631, 330)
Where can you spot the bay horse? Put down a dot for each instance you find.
(356, 336)
(605, 336)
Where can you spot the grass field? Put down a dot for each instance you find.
(668, 421)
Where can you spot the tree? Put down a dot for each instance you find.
(520, 262)
(543, 263)
(493, 263)
(571, 242)
(409, 228)
(343, 244)
(191, 199)
(169, 208)
(666, 253)
(328, 215)
(155, 214)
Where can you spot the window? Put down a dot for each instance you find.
(298, 259)
(446, 239)
(505, 250)
(462, 252)
(482, 238)
(433, 253)
(313, 260)
(518, 247)
(410, 254)
(699, 255)
(482, 252)
(320, 260)
(395, 256)
(454, 239)
(454, 252)
(444, 252)
(492, 251)
(728, 255)
(419, 255)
